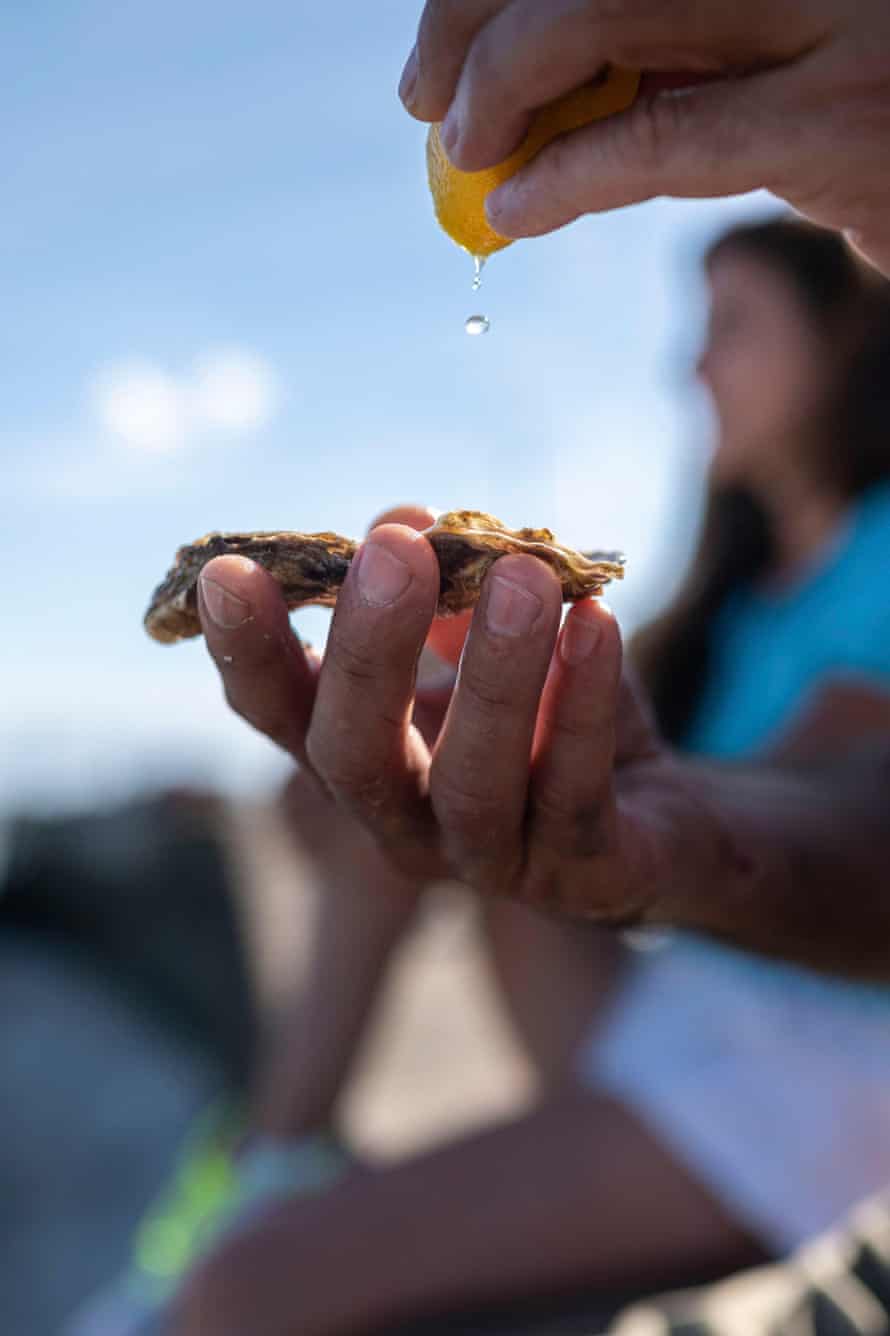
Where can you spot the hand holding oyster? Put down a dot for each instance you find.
(311, 568)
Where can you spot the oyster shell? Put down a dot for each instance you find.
(311, 567)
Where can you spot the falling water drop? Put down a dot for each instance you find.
(478, 266)
(477, 324)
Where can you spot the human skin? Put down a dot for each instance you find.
(544, 782)
(439, 1230)
(808, 818)
(795, 99)
(539, 777)
(585, 1159)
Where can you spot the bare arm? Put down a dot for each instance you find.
(805, 874)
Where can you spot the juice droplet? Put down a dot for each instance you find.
(477, 324)
(478, 266)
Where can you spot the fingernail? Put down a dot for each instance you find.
(579, 639)
(225, 610)
(497, 203)
(510, 610)
(381, 576)
(408, 81)
(450, 132)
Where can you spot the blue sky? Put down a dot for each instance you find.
(227, 306)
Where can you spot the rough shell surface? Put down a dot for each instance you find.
(311, 567)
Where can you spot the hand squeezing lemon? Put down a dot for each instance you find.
(459, 197)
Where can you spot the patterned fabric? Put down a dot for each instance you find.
(836, 1286)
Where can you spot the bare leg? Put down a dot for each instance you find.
(577, 1193)
(553, 975)
(363, 910)
(556, 976)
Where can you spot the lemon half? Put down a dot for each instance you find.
(459, 197)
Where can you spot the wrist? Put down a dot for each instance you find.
(693, 853)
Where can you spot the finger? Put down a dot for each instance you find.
(572, 808)
(416, 517)
(266, 676)
(717, 139)
(872, 243)
(530, 53)
(447, 29)
(360, 740)
(479, 776)
(527, 55)
(637, 729)
(447, 634)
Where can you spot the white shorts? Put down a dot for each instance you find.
(771, 1084)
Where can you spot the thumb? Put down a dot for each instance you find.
(720, 138)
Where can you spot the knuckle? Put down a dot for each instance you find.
(489, 689)
(652, 125)
(583, 722)
(582, 829)
(449, 23)
(558, 175)
(356, 662)
(470, 817)
(553, 881)
(345, 773)
(484, 65)
(677, 141)
(441, 33)
(730, 134)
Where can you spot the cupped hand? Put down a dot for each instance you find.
(799, 104)
(540, 779)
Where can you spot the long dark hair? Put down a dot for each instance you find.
(850, 306)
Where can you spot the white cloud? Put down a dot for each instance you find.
(142, 405)
(233, 389)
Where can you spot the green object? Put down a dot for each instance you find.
(203, 1185)
(184, 1215)
(214, 1189)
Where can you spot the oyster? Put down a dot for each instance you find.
(311, 567)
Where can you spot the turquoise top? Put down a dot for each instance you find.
(772, 651)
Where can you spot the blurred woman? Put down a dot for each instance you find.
(701, 1108)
